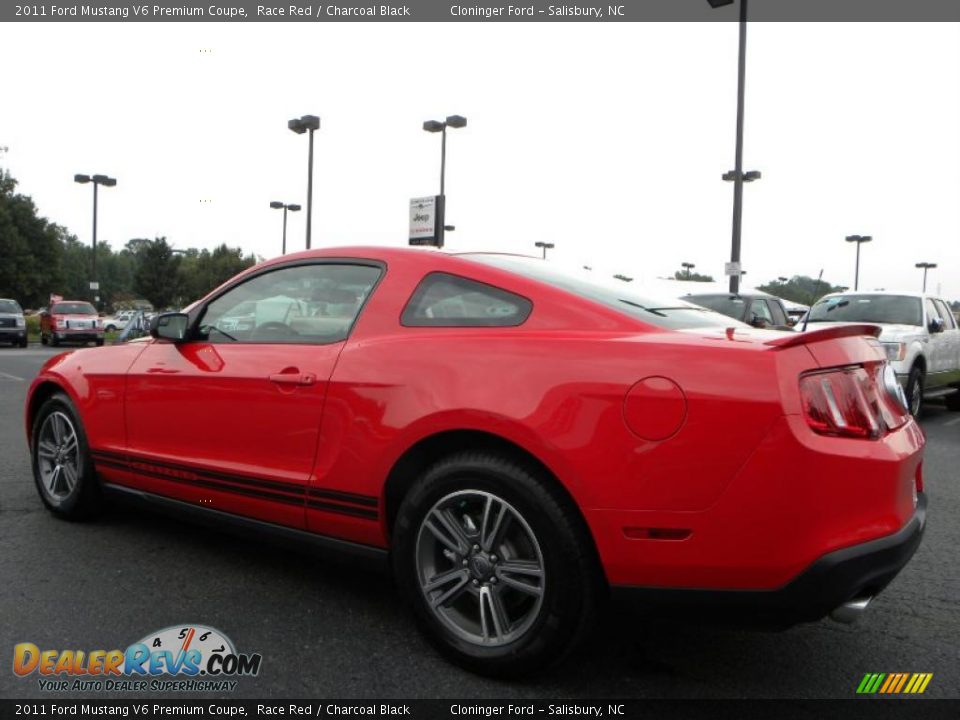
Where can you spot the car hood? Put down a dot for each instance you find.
(10, 315)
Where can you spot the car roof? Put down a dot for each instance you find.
(902, 293)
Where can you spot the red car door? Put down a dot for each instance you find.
(230, 418)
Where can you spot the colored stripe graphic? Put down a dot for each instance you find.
(894, 683)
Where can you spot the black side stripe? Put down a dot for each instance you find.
(276, 491)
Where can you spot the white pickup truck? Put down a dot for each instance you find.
(920, 336)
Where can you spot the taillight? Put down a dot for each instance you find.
(851, 402)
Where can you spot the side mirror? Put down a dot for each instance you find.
(937, 325)
(170, 326)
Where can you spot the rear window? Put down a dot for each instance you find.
(617, 294)
(730, 305)
(9, 306)
(73, 308)
(889, 309)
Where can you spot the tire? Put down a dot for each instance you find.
(73, 491)
(23, 343)
(953, 401)
(542, 617)
(100, 343)
(54, 342)
(914, 391)
(110, 328)
(43, 339)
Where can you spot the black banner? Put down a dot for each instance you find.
(482, 11)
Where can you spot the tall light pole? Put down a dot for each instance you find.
(926, 266)
(276, 205)
(859, 240)
(106, 182)
(688, 266)
(737, 175)
(434, 126)
(300, 126)
(545, 246)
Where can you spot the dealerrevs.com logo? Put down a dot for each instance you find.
(178, 658)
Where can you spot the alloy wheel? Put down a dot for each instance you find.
(480, 568)
(58, 456)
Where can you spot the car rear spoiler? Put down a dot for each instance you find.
(828, 333)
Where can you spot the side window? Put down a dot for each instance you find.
(932, 312)
(950, 322)
(443, 300)
(779, 316)
(306, 304)
(759, 308)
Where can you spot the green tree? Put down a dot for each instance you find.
(692, 276)
(800, 289)
(157, 272)
(30, 248)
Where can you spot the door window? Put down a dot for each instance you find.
(950, 322)
(305, 304)
(443, 300)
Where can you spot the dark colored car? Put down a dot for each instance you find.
(757, 309)
(13, 328)
(70, 321)
(514, 439)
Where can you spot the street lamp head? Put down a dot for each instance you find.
(81, 178)
(751, 175)
(719, 3)
(109, 182)
(293, 208)
(297, 126)
(926, 265)
(310, 122)
(456, 121)
(433, 126)
(276, 204)
(859, 238)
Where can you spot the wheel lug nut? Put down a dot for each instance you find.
(476, 583)
(493, 558)
(493, 580)
(476, 548)
(463, 562)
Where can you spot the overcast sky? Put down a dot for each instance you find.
(607, 139)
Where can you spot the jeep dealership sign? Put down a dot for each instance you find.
(425, 214)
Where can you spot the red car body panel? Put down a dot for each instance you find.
(743, 494)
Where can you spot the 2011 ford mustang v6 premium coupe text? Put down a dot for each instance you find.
(518, 440)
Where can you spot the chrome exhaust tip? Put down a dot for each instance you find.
(851, 610)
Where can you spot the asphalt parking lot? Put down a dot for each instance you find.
(326, 629)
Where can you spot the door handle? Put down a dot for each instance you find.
(293, 378)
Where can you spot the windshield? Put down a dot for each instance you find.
(9, 306)
(664, 312)
(73, 308)
(890, 309)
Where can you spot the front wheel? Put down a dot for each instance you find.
(914, 392)
(497, 565)
(62, 465)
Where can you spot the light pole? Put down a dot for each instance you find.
(434, 126)
(106, 182)
(859, 240)
(545, 246)
(300, 126)
(688, 267)
(926, 266)
(277, 205)
(737, 175)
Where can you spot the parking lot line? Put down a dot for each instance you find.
(8, 376)
(954, 421)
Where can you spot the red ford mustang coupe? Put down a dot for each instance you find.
(518, 440)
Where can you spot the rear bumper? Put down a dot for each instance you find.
(858, 571)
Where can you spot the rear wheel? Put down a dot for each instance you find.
(62, 466)
(100, 342)
(53, 341)
(497, 567)
(914, 391)
(23, 343)
(43, 339)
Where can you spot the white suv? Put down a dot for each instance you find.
(920, 336)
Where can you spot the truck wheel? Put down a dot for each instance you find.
(914, 391)
(953, 401)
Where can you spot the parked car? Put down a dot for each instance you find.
(118, 321)
(70, 321)
(514, 439)
(919, 334)
(757, 309)
(13, 327)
